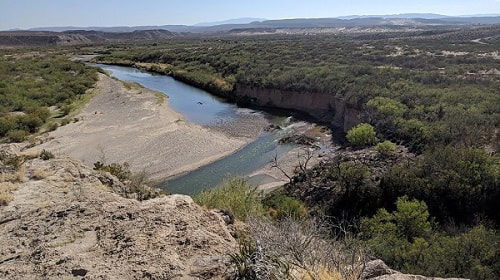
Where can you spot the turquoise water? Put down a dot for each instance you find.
(250, 158)
(186, 99)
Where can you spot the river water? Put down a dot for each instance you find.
(200, 107)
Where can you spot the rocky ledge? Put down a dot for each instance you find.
(62, 220)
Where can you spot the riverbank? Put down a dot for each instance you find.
(322, 107)
(125, 123)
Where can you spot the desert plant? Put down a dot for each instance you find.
(361, 135)
(46, 155)
(306, 247)
(6, 189)
(139, 185)
(236, 196)
(281, 205)
(17, 135)
(386, 148)
(250, 262)
(52, 126)
(121, 171)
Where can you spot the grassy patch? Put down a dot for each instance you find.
(131, 85)
(160, 97)
(236, 196)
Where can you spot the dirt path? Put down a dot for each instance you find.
(127, 125)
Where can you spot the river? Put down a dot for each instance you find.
(200, 107)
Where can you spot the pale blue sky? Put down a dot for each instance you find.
(44, 13)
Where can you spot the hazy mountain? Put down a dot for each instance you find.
(481, 15)
(407, 15)
(343, 22)
(231, 21)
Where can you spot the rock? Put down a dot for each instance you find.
(378, 270)
(70, 223)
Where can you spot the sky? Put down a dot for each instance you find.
(82, 13)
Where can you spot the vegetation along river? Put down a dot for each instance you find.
(200, 107)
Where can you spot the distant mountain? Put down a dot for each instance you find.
(407, 15)
(481, 15)
(396, 21)
(231, 21)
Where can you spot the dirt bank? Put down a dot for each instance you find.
(126, 124)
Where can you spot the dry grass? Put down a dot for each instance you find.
(6, 189)
(40, 174)
(322, 274)
(131, 85)
(14, 176)
(309, 251)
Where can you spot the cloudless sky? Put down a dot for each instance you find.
(49, 13)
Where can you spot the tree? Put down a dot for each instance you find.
(361, 135)
(410, 221)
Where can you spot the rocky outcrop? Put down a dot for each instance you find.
(378, 270)
(64, 221)
(322, 106)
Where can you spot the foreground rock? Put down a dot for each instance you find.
(378, 270)
(63, 222)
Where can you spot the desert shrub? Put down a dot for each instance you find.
(455, 183)
(52, 126)
(281, 205)
(65, 121)
(407, 240)
(121, 171)
(387, 107)
(46, 155)
(386, 148)
(17, 135)
(139, 185)
(7, 124)
(236, 196)
(6, 189)
(305, 248)
(361, 135)
(251, 263)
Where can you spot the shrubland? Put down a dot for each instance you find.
(418, 91)
(36, 87)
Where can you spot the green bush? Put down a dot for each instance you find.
(386, 148)
(407, 241)
(281, 206)
(361, 135)
(52, 126)
(236, 196)
(17, 135)
(65, 121)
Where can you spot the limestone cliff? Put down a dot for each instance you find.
(322, 106)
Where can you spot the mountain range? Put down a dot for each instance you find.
(412, 19)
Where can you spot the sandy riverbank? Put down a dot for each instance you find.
(125, 124)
